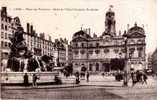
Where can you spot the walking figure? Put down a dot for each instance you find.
(87, 76)
(25, 77)
(34, 83)
(77, 77)
(102, 74)
(134, 78)
(144, 78)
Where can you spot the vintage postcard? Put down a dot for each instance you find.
(78, 49)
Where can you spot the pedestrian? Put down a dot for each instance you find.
(25, 77)
(138, 76)
(34, 83)
(145, 78)
(87, 76)
(77, 77)
(102, 74)
(134, 78)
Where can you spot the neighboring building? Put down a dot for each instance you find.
(8, 26)
(149, 61)
(62, 53)
(69, 54)
(154, 61)
(107, 52)
(38, 45)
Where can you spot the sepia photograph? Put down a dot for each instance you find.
(78, 49)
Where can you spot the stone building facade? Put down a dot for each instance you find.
(36, 43)
(109, 50)
(154, 61)
(8, 26)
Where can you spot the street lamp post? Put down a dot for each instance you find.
(125, 80)
(58, 45)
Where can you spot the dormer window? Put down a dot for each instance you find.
(97, 44)
(139, 41)
(97, 51)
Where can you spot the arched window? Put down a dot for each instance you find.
(97, 44)
(140, 51)
(97, 66)
(132, 41)
(90, 51)
(116, 50)
(82, 51)
(91, 45)
(132, 50)
(76, 45)
(76, 52)
(106, 50)
(82, 44)
(2, 26)
(123, 50)
(90, 67)
(139, 41)
(97, 51)
(76, 64)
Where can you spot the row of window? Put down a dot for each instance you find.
(5, 44)
(97, 44)
(97, 51)
(4, 55)
(6, 19)
(91, 66)
(107, 51)
(5, 35)
(4, 27)
(38, 40)
(138, 41)
(49, 46)
(43, 47)
(84, 44)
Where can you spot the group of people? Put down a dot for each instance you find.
(34, 80)
(138, 76)
(78, 75)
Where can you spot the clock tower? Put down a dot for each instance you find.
(110, 22)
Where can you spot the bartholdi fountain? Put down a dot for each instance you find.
(21, 59)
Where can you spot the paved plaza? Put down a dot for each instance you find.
(98, 88)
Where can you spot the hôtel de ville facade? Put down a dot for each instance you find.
(109, 50)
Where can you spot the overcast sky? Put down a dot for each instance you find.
(64, 22)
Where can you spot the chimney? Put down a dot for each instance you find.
(86, 30)
(89, 31)
(143, 26)
(42, 35)
(127, 26)
(28, 28)
(49, 38)
(4, 11)
(31, 30)
(34, 32)
(120, 33)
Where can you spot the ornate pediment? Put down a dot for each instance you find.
(135, 35)
(78, 39)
